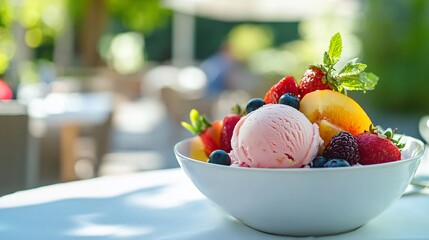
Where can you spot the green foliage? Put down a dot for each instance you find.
(395, 37)
(144, 16)
(6, 43)
(141, 15)
(43, 20)
(6, 14)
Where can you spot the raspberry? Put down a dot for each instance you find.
(344, 146)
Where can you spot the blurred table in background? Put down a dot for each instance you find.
(73, 133)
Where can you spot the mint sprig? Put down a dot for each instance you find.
(351, 77)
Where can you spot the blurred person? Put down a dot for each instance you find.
(218, 69)
(5, 91)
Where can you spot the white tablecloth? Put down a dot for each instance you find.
(163, 204)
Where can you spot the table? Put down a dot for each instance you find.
(68, 127)
(163, 204)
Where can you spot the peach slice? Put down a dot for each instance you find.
(334, 112)
(196, 150)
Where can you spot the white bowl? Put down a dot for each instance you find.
(305, 201)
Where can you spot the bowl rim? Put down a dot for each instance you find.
(421, 146)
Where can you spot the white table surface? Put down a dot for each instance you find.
(164, 204)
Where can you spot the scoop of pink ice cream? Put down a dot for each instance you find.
(275, 136)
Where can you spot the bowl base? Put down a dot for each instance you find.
(286, 234)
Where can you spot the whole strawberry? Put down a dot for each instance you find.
(377, 148)
(343, 146)
(229, 122)
(312, 80)
(324, 76)
(285, 85)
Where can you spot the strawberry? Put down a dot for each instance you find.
(211, 137)
(285, 85)
(377, 148)
(312, 80)
(229, 122)
(209, 133)
(324, 76)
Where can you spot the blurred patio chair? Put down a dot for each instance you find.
(178, 105)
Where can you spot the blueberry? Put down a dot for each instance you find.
(220, 157)
(336, 162)
(289, 99)
(318, 162)
(254, 104)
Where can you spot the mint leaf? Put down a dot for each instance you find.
(326, 59)
(363, 81)
(352, 68)
(335, 48)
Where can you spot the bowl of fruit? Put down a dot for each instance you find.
(306, 160)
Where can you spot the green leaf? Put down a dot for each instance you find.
(364, 81)
(189, 127)
(326, 59)
(194, 116)
(335, 48)
(352, 68)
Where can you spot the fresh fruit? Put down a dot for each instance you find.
(375, 148)
(229, 122)
(344, 146)
(336, 162)
(334, 112)
(285, 85)
(196, 150)
(289, 99)
(324, 76)
(254, 104)
(318, 162)
(312, 81)
(220, 157)
(208, 132)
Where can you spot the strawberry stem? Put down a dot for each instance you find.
(388, 134)
(198, 124)
(237, 109)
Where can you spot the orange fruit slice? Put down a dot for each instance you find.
(196, 150)
(334, 112)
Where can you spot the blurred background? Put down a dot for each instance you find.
(99, 87)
